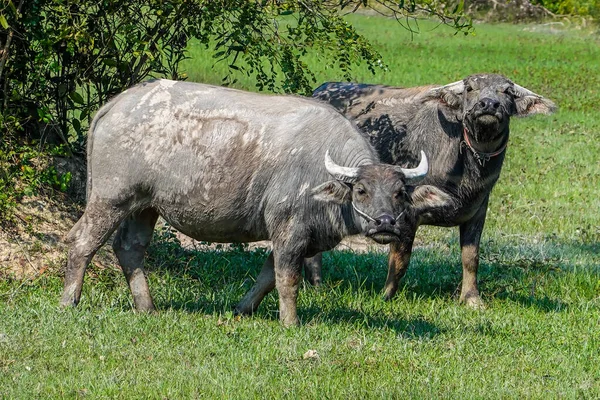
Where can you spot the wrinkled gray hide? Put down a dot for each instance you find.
(223, 165)
(463, 127)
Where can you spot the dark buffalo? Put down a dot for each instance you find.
(223, 165)
(463, 128)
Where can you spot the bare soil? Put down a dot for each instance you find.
(35, 245)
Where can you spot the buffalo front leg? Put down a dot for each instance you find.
(312, 269)
(278, 271)
(470, 236)
(265, 282)
(398, 261)
(288, 274)
(130, 244)
(85, 238)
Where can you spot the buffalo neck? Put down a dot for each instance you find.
(484, 152)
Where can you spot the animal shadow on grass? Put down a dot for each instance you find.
(411, 328)
(214, 280)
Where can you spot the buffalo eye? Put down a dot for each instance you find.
(509, 90)
(361, 191)
(399, 194)
(468, 88)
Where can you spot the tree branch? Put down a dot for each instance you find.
(8, 41)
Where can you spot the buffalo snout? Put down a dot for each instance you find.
(488, 105)
(385, 220)
(383, 229)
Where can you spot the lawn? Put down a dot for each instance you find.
(540, 273)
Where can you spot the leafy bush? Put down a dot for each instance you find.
(584, 8)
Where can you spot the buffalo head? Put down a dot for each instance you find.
(485, 102)
(380, 195)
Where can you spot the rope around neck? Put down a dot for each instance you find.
(481, 156)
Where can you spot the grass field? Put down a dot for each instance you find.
(540, 275)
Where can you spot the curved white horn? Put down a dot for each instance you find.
(420, 171)
(345, 174)
(524, 91)
(458, 86)
(455, 87)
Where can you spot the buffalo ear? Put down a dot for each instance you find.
(333, 192)
(531, 104)
(426, 196)
(444, 97)
(449, 95)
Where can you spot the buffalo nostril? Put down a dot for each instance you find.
(489, 104)
(385, 220)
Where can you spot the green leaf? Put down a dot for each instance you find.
(109, 62)
(76, 97)
(459, 7)
(3, 21)
(76, 125)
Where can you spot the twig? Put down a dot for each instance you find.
(8, 41)
(27, 256)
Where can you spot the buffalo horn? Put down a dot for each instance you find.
(455, 87)
(345, 174)
(522, 92)
(420, 171)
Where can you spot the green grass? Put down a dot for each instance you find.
(538, 336)
(540, 274)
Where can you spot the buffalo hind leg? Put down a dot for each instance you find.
(94, 227)
(398, 261)
(130, 244)
(312, 269)
(265, 282)
(470, 236)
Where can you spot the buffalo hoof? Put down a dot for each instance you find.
(243, 309)
(67, 303)
(290, 322)
(315, 282)
(474, 302)
(68, 298)
(145, 309)
(389, 293)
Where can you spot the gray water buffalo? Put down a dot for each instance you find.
(223, 165)
(463, 127)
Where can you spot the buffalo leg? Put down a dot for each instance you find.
(288, 274)
(85, 238)
(398, 261)
(470, 236)
(312, 269)
(131, 241)
(265, 282)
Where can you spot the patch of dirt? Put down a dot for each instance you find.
(35, 244)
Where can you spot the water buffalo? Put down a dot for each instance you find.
(223, 165)
(464, 129)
